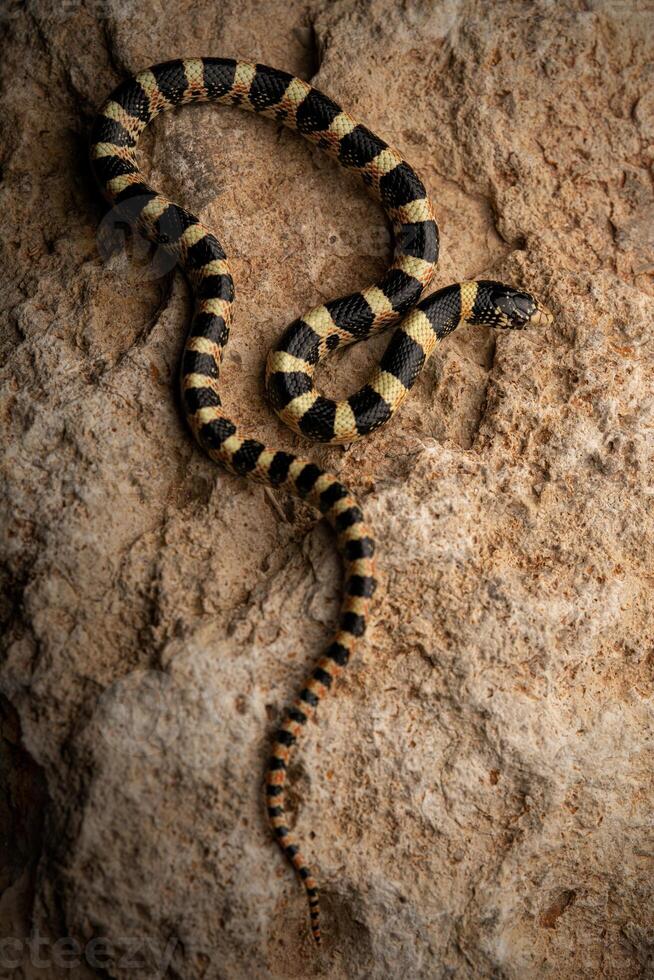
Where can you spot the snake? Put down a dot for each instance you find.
(393, 301)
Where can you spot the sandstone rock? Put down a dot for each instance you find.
(477, 796)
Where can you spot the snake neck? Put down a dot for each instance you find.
(451, 307)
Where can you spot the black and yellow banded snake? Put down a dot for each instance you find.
(394, 300)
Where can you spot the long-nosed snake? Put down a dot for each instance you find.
(290, 368)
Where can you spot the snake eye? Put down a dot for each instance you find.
(516, 307)
(524, 305)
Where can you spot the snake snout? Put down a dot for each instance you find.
(542, 317)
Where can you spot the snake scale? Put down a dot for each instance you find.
(394, 300)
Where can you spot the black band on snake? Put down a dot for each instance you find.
(394, 300)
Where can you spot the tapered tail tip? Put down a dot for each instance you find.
(315, 925)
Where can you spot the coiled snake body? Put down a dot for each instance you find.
(290, 368)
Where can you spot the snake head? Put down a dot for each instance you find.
(502, 306)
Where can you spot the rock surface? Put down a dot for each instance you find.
(477, 798)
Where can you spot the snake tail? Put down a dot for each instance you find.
(357, 548)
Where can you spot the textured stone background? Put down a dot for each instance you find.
(478, 796)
